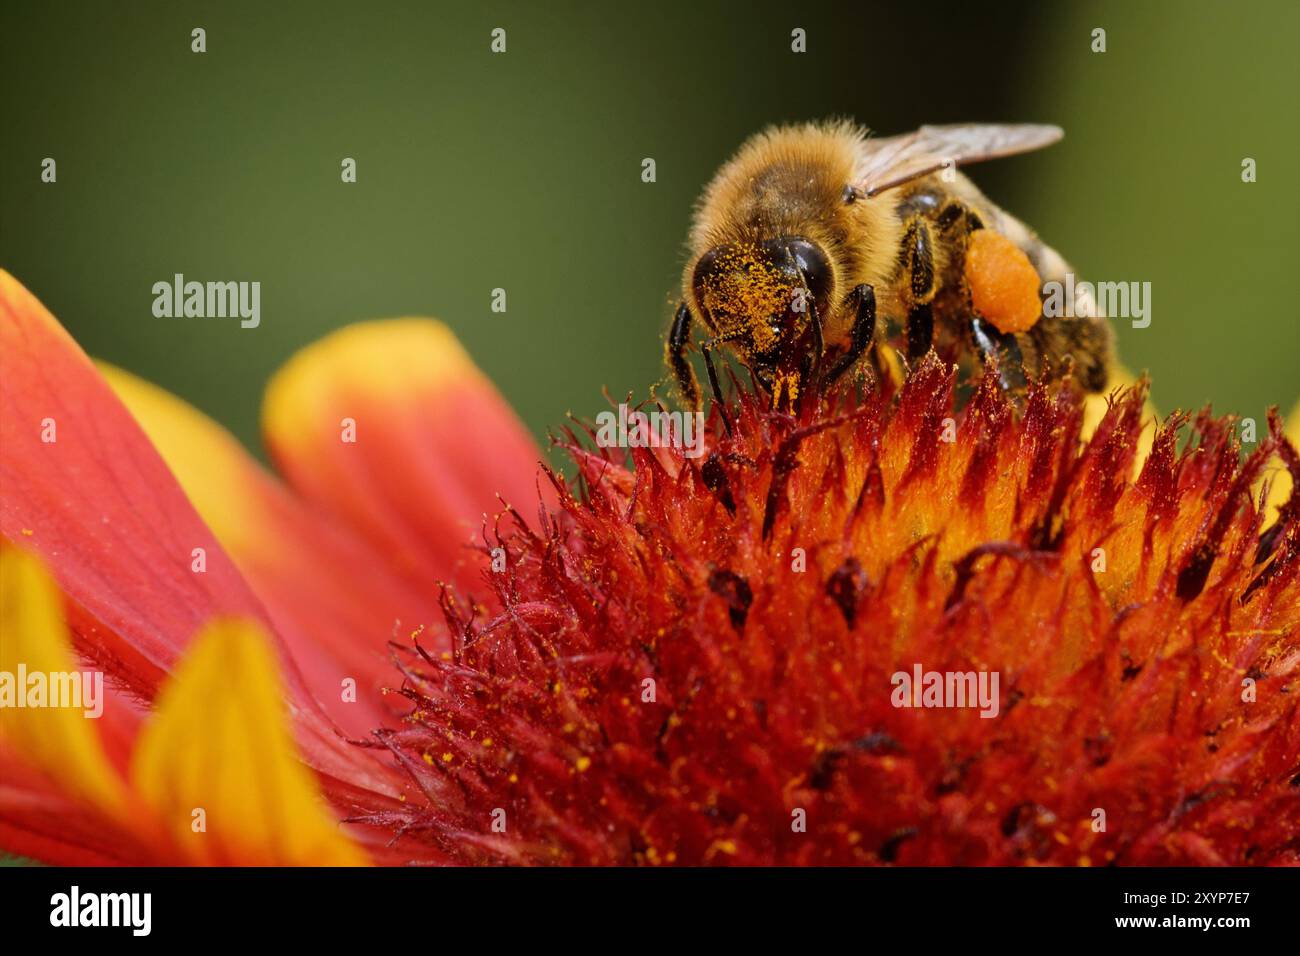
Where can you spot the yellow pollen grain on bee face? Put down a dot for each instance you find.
(747, 290)
(447, 758)
(487, 742)
(582, 763)
(428, 758)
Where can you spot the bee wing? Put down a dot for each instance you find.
(894, 160)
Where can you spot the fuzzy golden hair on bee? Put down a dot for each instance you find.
(790, 181)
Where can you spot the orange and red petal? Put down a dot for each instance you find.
(327, 592)
(186, 795)
(217, 767)
(390, 426)
(82, 487)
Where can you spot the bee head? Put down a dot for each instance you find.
(763, 293)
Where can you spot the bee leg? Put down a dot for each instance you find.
(716, 388)
(920, 330)
(678, 338)
(952, 213)
(1002, 348)
(863, 302)
(992, 345)
(918, 267)
(819, 344)
(949, 216)
(761, 379)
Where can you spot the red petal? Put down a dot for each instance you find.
(98, 504)
(39, 822)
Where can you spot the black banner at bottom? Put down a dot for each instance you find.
(180, 906)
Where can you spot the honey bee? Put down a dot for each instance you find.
(813, 237)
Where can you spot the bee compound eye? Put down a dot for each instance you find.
(721, 275)
(709, 265)
(813, 265)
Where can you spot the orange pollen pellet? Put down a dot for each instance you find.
(1003, 283)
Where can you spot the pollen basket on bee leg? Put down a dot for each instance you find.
(1003, 283)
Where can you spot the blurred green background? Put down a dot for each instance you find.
(522, 170)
